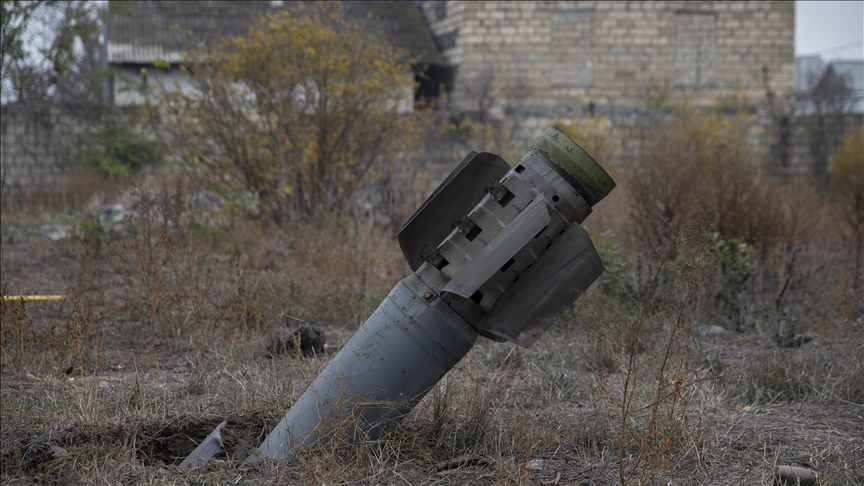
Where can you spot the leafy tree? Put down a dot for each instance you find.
(303, 111)
(50, 51)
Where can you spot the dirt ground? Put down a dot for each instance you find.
(505, 415)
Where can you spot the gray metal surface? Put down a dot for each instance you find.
(208, 448)
(408, 344)
(545, 290)
(462, 189)
(474, 283)
(492, 257)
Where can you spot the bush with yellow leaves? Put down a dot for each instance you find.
(303, 112)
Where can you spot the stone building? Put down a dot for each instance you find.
(146, 40)
(546, 59)
(143, 34)
(529, 62)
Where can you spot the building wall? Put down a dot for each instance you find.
(126, 85)
(126, 90)
(553, 58)
(41, 142)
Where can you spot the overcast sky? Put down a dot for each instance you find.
(834, 30)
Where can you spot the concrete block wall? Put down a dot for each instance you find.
(563, 57)
(39, 142)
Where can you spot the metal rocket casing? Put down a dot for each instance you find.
(496, 251)
(405, 347)
(517, 256)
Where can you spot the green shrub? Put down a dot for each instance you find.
(117, 151)
(737, 262)
(616, 279)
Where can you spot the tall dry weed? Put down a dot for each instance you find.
(188, 269)
(847, 180)
(645, 371)
(162, 263)
(32, 345)
(72, 191)
(700, 162)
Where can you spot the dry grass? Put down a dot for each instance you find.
(504, 416)
(170, 314)
(701, 163)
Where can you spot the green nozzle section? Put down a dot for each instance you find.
(594, 181)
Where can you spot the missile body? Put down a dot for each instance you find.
(496, 251)
(406, 346)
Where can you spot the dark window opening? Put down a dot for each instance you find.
(520, 169)
(541, 231)
(507, 265)
(433, 83)
(477, 297)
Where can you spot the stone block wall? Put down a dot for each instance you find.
(39, 142)
(541, 60)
